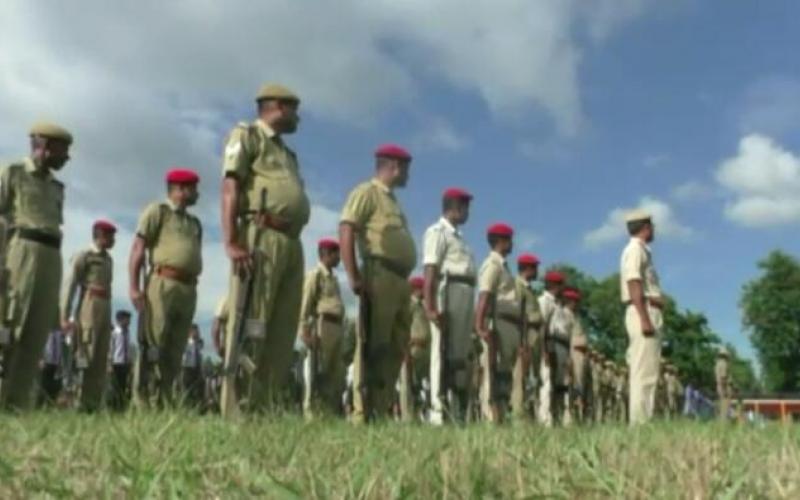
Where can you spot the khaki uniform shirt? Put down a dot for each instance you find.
(637, 264)
(321, 295)
(445, 248)
(547, 305)
(382, 230)
(91, 268)
(495, 278)
(172, 236)
(532, 310)
(30, 198)
(258, 158)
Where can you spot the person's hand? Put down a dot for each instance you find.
(486, 335)
(356, 285)
(137, 299)
(434, 317)
(240, 258)
(647, 327)
(308, 339)
(67, 326)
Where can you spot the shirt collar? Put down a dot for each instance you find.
(381, 185)
(31, 167)
(449, 226)
(496, 257)
(268, 131)
(321, 266)
(175, 208)
(96, 249)
(641, 242)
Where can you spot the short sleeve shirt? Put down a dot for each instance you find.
(381, 225)
(495, 278)
(636, 263)
(321, 295)
(172, 236)
(30, 198)
(445, 248)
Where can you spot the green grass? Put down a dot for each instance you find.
(62, 454)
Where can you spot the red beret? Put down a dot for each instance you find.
(528, 259)
(456, 194)
(182, 176)
(328, 243)
(392, 151)
(105, 225)
(500, 229)
(572, 294)
(554, 277)
(417, 282)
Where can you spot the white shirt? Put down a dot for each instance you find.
(193, 354)
(562, 323)
(548, 305)
(444, 247)
(636, 263)
(121, 350)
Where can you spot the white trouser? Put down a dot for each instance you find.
(644, 358)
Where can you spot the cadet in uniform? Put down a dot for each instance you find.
(120, 357)
(373, 217)
(561, 327)
(497, 321)
(529, 341)
(722, 376)
(416, 362)
(169, 239)
(579, 362)
(450, 282)
(32, 202)
(257, 162)
(322, 332)
(90, 280)
(642, 297)
(548, 303)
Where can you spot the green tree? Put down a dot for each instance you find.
(771, 314)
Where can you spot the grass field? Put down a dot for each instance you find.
(182, 455)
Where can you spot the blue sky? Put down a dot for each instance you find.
(555, 114)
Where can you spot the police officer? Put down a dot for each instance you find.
(168, 238)
(372, 217)
(561, 328)
(322, 332)
(416, 362)
(579, 362)
(642, 297)
(722, 376)
(528, 353)
(498, 321)
(548, 303)
(258, 162)
(449, 284)
(90, 280)
(32, 202)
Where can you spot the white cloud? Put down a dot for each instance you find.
(151, 84)
(527, 240)
(613, 229)
(764, 181)
(771, 106)
(692, 191)
(437, 134)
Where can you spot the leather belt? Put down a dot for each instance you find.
(173, 273)
(390, 266)
(98, 293)
(331, 318)
(464, 280)
(270, 221)
(420, 343)
(658, 303)
(46, 239)
(511, 318)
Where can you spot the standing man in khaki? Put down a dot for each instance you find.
(642, 297)
(449, 303)
(548, 303)
(722, 376)
(257, 161)
(417, 359)
(579, 362)
(530, 340)
(372, 217)
(322, 332)
(32, 203)
(164, 265)
(90, 280)
(498, 321)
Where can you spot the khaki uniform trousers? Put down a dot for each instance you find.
(272, 321)
(379, 352)
(644, 358)
(35, 275)
(520, 375)
(324, 371)
(460, 315)
(94, 333)
(496, 385)
(170, 312)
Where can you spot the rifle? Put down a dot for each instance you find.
(236, 358)
(364, 314)
(492, 361)
(444, 342)
(524, 347)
